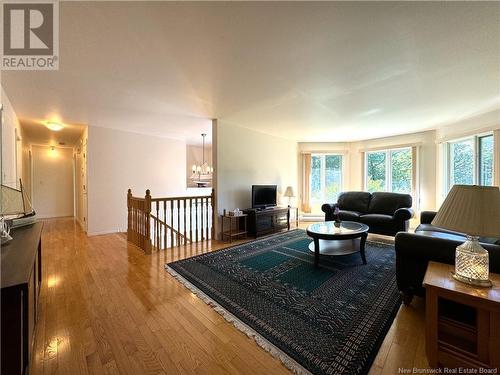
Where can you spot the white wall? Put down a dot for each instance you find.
(53, 193)
(246, 157)
(119, 160)
(11, 147)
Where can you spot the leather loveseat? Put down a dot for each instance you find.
(431, 243)
(384, 213)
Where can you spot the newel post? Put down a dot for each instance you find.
(129, 215)
(147, 222)
(213, 213)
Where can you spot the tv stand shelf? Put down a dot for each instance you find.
(269, 220)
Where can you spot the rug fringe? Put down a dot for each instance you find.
(272, 349)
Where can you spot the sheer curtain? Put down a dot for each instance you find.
(496, 157)
(306, 205)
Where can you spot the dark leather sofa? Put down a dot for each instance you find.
(431, 243)
(384, 213)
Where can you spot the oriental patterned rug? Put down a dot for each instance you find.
(326, 320)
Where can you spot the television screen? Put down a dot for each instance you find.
(264, 196)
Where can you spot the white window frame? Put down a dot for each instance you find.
(323, 155)
(475, 149)
(388, 168)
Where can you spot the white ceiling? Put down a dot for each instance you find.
(308, 71)
(37, 133)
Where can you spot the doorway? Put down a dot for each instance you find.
(53, 181)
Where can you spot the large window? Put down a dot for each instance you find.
(389, 170)
(326, 179)
(470, 161)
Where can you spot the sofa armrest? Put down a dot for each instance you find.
(403, 214)
(426, 217)
(328, 208)
(421, 247)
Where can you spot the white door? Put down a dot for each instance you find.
(53, 181)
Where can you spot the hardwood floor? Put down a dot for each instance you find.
(106, 308)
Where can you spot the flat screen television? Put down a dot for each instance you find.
(264, 196)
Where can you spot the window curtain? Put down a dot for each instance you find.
(496, 157)
(306, 205)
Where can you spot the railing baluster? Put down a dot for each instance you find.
(172, 241)
(165, 239)
(191, 219)
(196, 217)
(178, 222)
(185, 233)
(148, 226)
(206, 221)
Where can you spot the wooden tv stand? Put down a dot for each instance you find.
(268, 220)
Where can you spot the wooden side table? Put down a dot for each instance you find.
(462, 322)
(237, 226)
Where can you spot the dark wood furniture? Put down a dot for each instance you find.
(462, 322)
(267, 221)
(21, 266)
(337, 239)
(237, 226)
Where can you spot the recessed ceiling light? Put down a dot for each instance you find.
(54, 126)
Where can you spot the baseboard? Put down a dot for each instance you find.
(312, 218)
(100, 233)
(54, 216)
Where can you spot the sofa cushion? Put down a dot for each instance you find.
(349, 215)
(354, 201)
(388, 203)
(376, 219)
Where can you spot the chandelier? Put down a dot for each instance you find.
(202, 173)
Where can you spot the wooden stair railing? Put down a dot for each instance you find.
(160, 223)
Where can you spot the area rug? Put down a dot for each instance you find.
(326, 320)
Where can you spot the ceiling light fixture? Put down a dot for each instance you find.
(202, 173)
(54, 126)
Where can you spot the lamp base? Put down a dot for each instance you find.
(474, 282)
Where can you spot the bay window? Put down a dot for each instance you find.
(389, 170)
(325, 183)
(470, 161)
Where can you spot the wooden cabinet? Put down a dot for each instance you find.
(21, 276)
(462, 321)
(267, 221)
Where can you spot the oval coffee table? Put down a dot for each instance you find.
(330, 238)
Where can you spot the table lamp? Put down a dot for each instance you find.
(475, 211)
(289, 193)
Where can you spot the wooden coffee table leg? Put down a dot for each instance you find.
(362, 246)
(316, 251)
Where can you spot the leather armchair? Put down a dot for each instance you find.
(429, 243)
